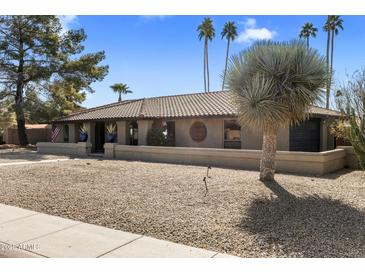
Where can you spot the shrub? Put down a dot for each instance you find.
(156, 137)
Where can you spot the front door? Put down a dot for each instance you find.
(99, 136)
(133, 134)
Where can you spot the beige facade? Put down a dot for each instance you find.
(215, 136)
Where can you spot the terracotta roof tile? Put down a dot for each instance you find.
(211, 104)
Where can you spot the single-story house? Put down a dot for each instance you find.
(207, 120)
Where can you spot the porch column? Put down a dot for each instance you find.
(90, 128)
(143, 127)
(72, 133)
(323, 135)
(122, 132)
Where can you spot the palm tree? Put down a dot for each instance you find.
(334, 25)
(121, 89)
(307, 31)
(327, 29)
(273, 85)
(206, 31)
(230, 32)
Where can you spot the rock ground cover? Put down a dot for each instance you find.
(297, 216)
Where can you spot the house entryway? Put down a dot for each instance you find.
(99, 137)
(132, 134)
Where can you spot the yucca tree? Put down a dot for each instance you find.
(332, 26)
(120, 88)
(273, 85)
(206, 30)
(230, 33)
(307, 31)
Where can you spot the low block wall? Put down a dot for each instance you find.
(317, 163)
(34, 135)
(77, 149)
(351, 159)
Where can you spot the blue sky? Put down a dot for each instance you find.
(161, 55)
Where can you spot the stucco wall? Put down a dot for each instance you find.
(214, 137)
(250, 139)
(317, 163)
(352, 161)
(79, 149)
(34, 135)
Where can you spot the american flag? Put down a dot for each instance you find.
(55, 133)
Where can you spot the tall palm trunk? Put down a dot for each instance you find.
(331, 66)
(225, 67)
(328, 70)
(205, 65)
(267, 163)
(308, 42)
(208, 81)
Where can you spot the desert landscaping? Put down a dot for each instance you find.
(295, 216)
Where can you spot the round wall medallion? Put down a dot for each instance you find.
(198, 131)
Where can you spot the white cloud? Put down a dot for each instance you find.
(252, 32)
(67, 21)
(250, 22)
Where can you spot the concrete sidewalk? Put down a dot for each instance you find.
(29, 234)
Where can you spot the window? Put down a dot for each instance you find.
(232, 134)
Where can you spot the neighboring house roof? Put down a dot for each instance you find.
(209, 104)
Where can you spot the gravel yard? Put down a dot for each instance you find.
(296, 217)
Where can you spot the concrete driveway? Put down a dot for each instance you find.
(25, 156)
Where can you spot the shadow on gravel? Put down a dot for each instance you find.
(310, 226)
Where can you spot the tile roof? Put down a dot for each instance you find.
(210, 104)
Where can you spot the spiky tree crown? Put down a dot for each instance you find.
(274, 83)
(206, 29)
(308, 30)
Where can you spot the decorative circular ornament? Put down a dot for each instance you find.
(198, 131)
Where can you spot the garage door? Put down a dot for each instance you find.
(306, 136)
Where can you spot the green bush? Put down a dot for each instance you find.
(156, 137)
(356, 135)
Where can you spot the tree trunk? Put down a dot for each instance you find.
(267, 163)
(331, 66)
(207, 69)
(327, 61)
(205, 53)
(308, 42)
(20, 119)
(120, 97)
(225, 67)
(18, 105)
